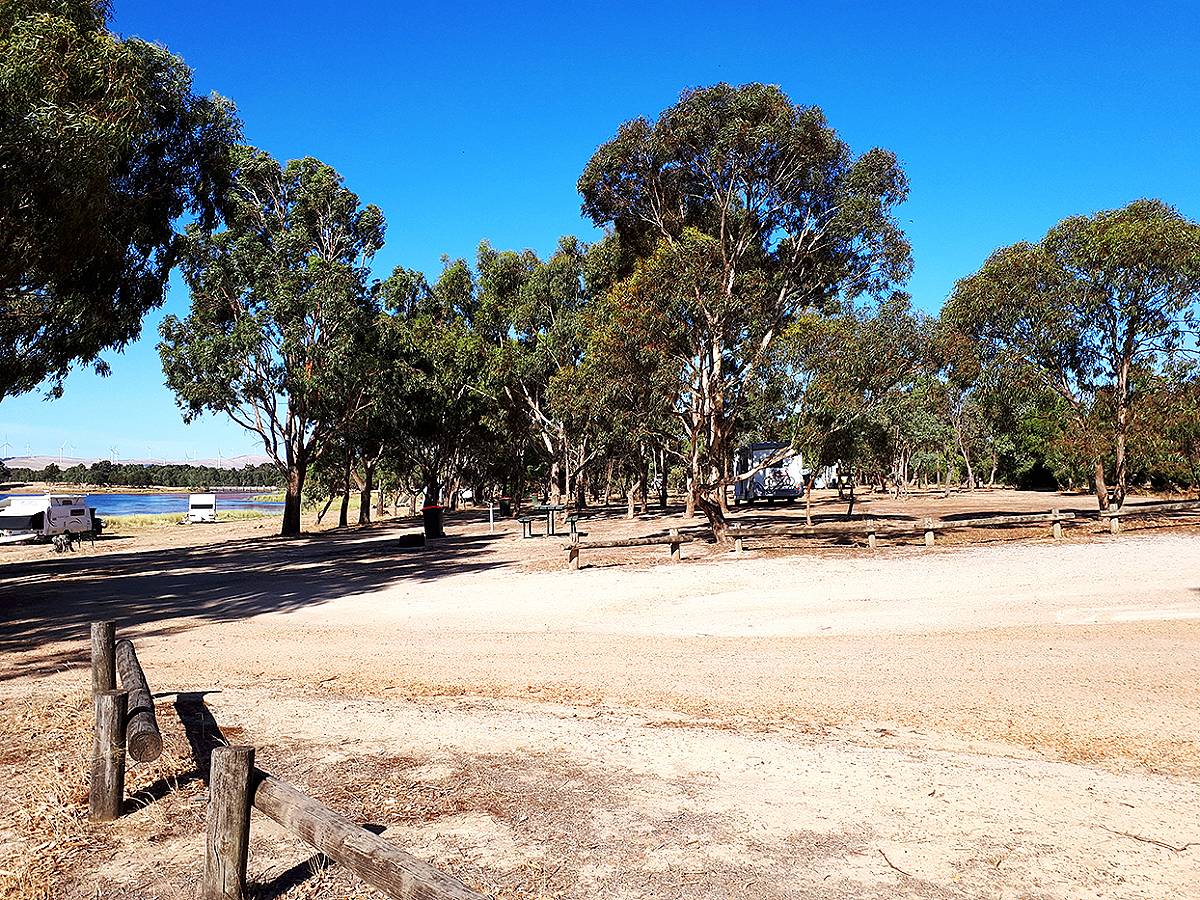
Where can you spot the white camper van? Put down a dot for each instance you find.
(782, 481)
(201, 508)
(32, 516)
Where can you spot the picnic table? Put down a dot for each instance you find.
(549, 509)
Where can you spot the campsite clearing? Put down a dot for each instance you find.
(1013, 719)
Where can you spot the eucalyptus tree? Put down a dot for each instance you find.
(833, 376)
(619, 398)
(745, 210)
(282, 316)
(1097, 300)
(531, 314)
(103, 148)
(438, 403)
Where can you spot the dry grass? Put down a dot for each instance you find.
(136, 521)
(45, 758)
(47, 842)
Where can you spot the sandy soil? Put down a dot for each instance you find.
(1017, 718)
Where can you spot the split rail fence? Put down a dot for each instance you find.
(126, 724)
(871, 530)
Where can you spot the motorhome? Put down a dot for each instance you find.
(201, 508)
(782, 480)
(26, 517)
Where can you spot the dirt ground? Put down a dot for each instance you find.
(1003, 715)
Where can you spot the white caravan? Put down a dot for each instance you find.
(201, 508)
(26, 517)
(782, 481)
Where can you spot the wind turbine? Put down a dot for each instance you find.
(116, 454)
(7, 447)
(62, 451)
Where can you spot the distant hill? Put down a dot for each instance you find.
(226, 462)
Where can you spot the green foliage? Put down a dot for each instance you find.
(745, 211)
(435, 411)
(138, 475)
(1099, 300)
(103, 147)
(278, 336)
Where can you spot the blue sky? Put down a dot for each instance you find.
(474, 121)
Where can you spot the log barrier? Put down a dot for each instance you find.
(236, 786)
(107, 793)
(872, 530)
(673, 539)
(142, 736)
(125, 720)
(104, 664)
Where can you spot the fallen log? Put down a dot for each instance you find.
(142, 736)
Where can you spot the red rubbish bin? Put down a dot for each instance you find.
(432, 518)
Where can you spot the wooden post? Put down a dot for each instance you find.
(104, 663)
(1056, 528)
(228, 823)
(573, 552)
(737, 540)
(1114, 524)
(377, 862)
(108, 757)
(929, 532)
(675, 545)
(141, 726)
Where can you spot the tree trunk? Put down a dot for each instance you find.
(291, 499)
(344, 514)
(364, 496)
(1121, 476)
(433, 491)
(631, 499)
(553, 489)
(711, 507)
(1100, 485)
(643, 485)
(324, 509)
(662, 478)
(967, 462)
(808, 489)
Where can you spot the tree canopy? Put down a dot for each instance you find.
(281, 313)
(1091, 311)
(103, 148)
(743, 211)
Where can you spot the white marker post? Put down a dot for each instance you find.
(491, 518)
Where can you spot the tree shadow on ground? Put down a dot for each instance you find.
(164, 591)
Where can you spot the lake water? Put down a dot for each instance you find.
(129, 504)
